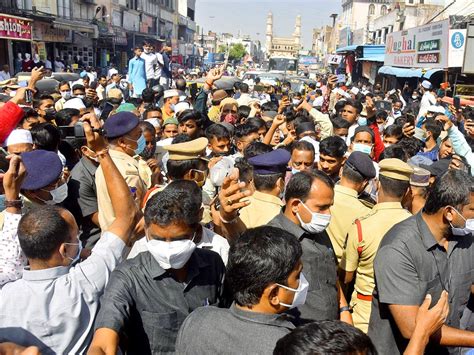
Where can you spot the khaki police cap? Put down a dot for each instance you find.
(420, 177)
(194, 149)
(395, 169)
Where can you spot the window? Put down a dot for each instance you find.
(371, 9)
(422, 1)
(383, 10)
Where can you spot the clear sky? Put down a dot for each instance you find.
(250, 16)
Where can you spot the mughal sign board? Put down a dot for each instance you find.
(420, 47)
(15, 28)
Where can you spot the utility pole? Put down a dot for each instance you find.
(202, 46)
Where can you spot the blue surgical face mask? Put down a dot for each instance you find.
(141, 144)
(173, 107)
(295, 171)
(362, 121)
(364, 148)
(462, 231)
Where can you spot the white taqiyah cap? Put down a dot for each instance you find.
(18, 136)
(75, 102)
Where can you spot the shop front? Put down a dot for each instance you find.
(360, 62)
(50, 42)
(432, 51)
(15, 39)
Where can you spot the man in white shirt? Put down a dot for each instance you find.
(59, 65)
(159, 67)
(5, 72)
(151, 62)
(53, 306)
(428, 98)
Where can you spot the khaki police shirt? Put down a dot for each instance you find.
(374, 227)
(128, 168)
(346, 209)
(262, 209)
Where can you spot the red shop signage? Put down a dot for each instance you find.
(15, 28)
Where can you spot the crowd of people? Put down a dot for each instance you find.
(144, 216)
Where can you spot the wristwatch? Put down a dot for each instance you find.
(346, 309)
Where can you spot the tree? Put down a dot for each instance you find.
(237, 51)
(222, 48)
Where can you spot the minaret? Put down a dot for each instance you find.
(269, 35)
(297, 34)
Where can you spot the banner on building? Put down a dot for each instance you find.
(419, 47)
(16, 28)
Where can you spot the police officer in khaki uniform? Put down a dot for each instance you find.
(187, 161)
(125, 142)
(356, 173)
(367, 232)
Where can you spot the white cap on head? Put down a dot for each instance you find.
(18, 136)
(75, 102)
(171, 93)
(318, 84)
(181, 106)
(426, 84)
(154, 121)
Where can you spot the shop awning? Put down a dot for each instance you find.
(347, 49)
(374, 58)
(74, 26)
(372, 53)
(401, 72)
(431, 72)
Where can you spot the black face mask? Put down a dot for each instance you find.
(50, 113)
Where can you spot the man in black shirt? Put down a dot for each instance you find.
(306, 215)
(82, 196)
(426, 254)
(264, 274)
(148, 297)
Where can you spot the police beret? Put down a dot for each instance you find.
(420, 177)
(396, 169)
(362, 163)
(194, 149)
(43, 168)
(120, 124)
(437, 168)
(273, 162)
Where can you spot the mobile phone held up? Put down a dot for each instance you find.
(28, 96)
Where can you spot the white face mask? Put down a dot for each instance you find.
(78, 254)
(80, 96)
(319, 222)
(364, 148)
(66, 95)
(59, 194)
(171, 255)
(300, 293)
(466, 230)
